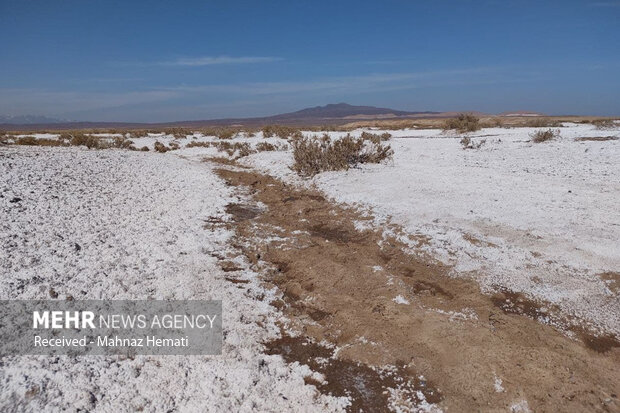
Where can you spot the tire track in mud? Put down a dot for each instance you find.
(400, 332)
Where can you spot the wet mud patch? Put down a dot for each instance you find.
(242, 212)
(427, 287)
(333, 234)
(600, 344)
(512, 302)
(368, 389)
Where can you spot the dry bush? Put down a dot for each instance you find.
(91, 142)
(545, 135)
(226, 133)
(225, 147)
(138, 133)
(265, 146)
(160, 147)
(604, 124)
(543, 123)
(144, 149)
(221, 132)
(178, 133)
(244, 149)
(313, 156)
(468, 143)
(465, 122)
(32, 141)
(121, 143)
(376, 138)
(280, 131)
(199, 145)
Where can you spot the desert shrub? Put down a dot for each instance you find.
(465, 122)
(144, 149)
(267, 131)
(468, 143)
(178, 133)
(121, 142)
(248, 132)
(265, 146)
(296, 135)
(317, 155)
(543, 123)
(91, 142)
(225, 147)
(198, 145)
(226, 133)
(376, 138)
(280, 131)
(126, 144)
(604, 123)
(244, 149)
(32, 141)
(544, 135)
(160, 147)
(139, 133)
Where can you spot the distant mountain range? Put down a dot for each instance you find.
(344, 110)
(29, 120)
(334, 113)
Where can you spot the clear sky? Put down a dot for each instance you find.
(182, 60)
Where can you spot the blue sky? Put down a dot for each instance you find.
(180, 60)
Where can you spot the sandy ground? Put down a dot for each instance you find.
(122, 225)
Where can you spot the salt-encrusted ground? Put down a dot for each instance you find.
(117, 224)
(542, 219)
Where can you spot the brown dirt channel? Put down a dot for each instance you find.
(451, 345)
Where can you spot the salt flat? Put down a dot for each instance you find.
(127, 225)
(537, 219)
